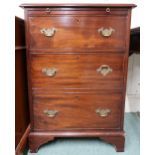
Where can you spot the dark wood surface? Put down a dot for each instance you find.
(115, 138)
(80, 5)
(19, 33)
(21, 98)
(77, 50)
(134, 41)
(73, 32)
(23, 144)
(77, 111)
(77, 71)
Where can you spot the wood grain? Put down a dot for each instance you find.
(78, 5)
(117, 138)
(22, 145)
(74, 32)
(77, 71)
(77, 50)
(77, 111)
(21, 91)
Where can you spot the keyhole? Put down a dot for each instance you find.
(77, 20)
(77, 97)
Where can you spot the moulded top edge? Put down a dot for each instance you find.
(80, 5)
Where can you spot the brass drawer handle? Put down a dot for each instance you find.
(48, 32)
(51, 72)
(106, 32)
(104, 70)
(51, 113)
(103, 112)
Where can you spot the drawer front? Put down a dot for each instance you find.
(77, 112)
(78, 71)
(79, 32)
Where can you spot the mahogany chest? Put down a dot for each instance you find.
(77, 58)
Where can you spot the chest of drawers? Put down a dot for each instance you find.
(77, 58)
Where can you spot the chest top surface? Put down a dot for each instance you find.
(76, 5)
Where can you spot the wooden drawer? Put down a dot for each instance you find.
(78, 71)
(79, 32)
(50, 12)
(77, 111)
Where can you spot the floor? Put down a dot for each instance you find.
(96, 146)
